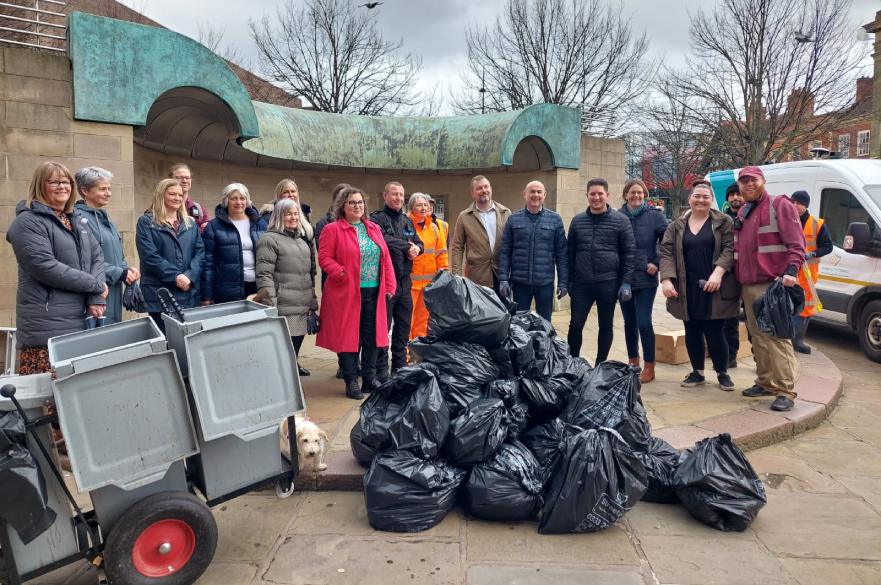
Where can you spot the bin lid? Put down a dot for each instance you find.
(243, 377)
(124, 424)
(33, 391)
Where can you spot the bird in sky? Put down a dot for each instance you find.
(370, 5)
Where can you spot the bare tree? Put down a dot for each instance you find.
(768, 75)
(213, 38)
(335, 58)
(580, 53)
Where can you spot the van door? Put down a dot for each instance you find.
(842, 274)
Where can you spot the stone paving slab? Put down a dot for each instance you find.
(506, 575)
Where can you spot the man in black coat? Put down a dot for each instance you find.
(600, 247)
(731, 328)
(403, 245)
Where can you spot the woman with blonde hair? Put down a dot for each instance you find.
(286, 271)
(170, 249)
(287, 189)
(60, 267)
(230, 247)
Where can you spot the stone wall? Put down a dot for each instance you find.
(36, 125)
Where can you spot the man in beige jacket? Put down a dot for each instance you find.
(477, 237)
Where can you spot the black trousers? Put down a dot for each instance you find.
(732, 336)
(399, 311)
(582, 297)
(698, 330)
(367, 335)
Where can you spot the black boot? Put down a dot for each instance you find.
(368, 385)
(352, 389)
(798, 340)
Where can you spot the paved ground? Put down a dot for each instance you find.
(822, 523)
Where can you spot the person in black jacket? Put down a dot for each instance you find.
(731, 327)
(403, 245)
(649, 225)
(533, 244)
(600, 247)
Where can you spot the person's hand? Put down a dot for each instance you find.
(182, 282)
(713, 283)
(132, 275)
(668, 290)
(625, 293)
(106, 291)
(789, 280)
(562, 292)
(651, 269)
(810, 255)
(504, 289)
(207, 302)
(96, 311)
(413, 251)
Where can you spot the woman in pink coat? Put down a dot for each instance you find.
(360, 278)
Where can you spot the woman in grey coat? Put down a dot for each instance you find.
(93, 184)
(286, 270)
(60, 267)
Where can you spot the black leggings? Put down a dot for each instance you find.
(297, 340)
(696, 331)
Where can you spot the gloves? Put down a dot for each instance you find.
(313, 323)
(133, 298)
(504, 289)
(810, 255)
(562, 292)
(625, 293)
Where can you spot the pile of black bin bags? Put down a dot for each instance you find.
(496, 415)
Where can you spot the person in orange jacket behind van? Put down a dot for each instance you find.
(427, 264)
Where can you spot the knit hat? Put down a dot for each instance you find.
(732, 189)
(801, 197)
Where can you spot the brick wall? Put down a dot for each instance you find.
(36, 125)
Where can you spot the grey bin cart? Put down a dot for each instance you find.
(122, 405)
(243, 382)
(60, 541)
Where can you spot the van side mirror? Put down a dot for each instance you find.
(861, 240)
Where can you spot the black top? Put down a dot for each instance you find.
(698, 251)
(600, 247)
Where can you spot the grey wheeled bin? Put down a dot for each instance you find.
(122, 406)
(60, 541)
(243, 382)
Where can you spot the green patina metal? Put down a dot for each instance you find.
(120, 68)
(460, 142)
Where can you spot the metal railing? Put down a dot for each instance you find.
(39, 24)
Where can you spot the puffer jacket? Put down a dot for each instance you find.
(115, 266)
(285, 271)
(164, 254)
(600, 249)
(649, 225)
(223, 277)
(532, 247)
(60, 273)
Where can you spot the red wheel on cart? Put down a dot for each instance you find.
(165, 539)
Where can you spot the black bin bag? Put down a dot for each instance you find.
(775, 308)
(546, 398)
(507, 487)
(407, 412)
(660, 459)
(461, 310)
(23, 502)
(609, 397)
(718, 486)
(463, 369)
(546, 441)
(404, 493)
(532, 321)
(477, 433)
(597, 481)
(508, 391)
(516, 354)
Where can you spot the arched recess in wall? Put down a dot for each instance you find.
(533, 154)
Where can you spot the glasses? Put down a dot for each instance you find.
(355, 203)
(182, 179)
(56, 184)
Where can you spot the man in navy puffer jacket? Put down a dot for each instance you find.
(533, 244)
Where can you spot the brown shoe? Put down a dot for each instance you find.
(633, 361)
(648, 373)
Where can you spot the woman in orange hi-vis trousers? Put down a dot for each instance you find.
(425, 265)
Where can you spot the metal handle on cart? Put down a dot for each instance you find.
(8, 391)
(167, 299)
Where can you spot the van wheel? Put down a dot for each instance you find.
(870, 330)
(165, 539)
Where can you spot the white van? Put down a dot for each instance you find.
(846, 193)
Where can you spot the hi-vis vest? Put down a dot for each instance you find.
(810, 270)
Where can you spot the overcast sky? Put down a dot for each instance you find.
(434, 29)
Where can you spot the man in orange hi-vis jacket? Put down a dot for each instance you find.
(427, 264)
(818, 243)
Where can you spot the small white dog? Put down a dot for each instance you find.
(311, 443)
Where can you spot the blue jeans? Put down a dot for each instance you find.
(638, 323)
(543, 295)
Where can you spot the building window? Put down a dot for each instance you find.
(863, 143)
(844, 145)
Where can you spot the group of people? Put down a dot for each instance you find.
(375, 266)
